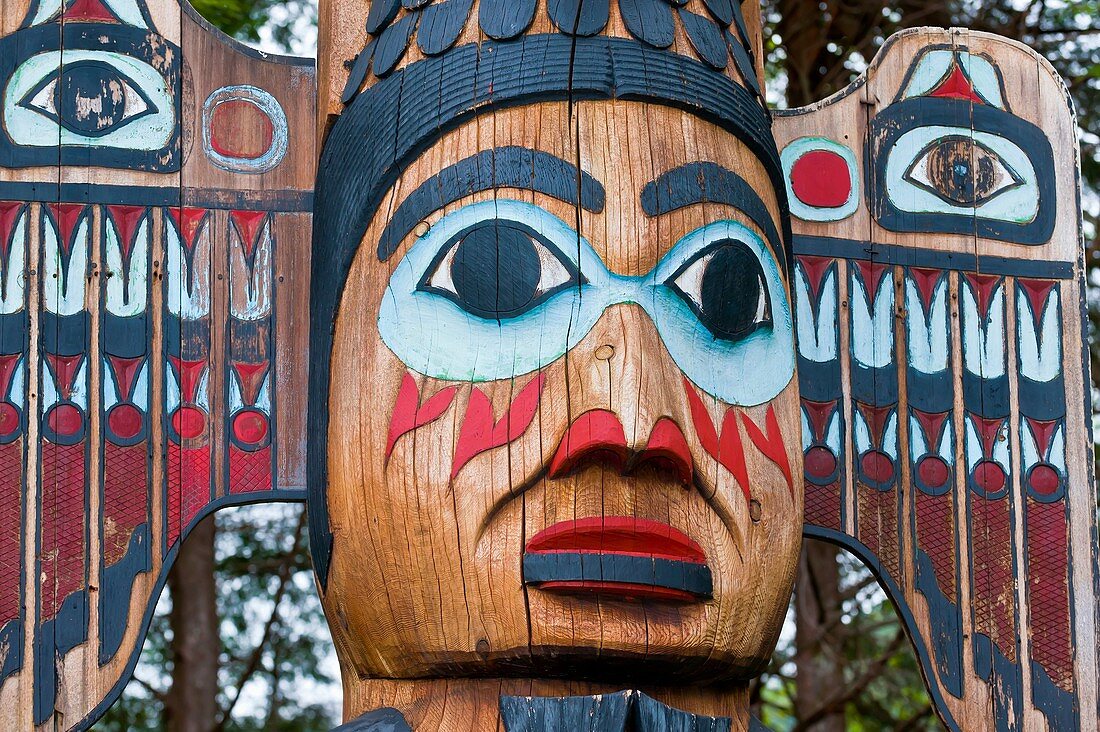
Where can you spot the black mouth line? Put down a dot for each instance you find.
(612, 568)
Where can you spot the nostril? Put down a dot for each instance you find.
(605, 352)
(667, 449)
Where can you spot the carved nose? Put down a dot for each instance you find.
(597, 438)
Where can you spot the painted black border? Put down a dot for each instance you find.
(898, 119)
(158, 52)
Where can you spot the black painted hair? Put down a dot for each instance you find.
(389, 125)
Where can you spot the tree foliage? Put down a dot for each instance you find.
(275, 651)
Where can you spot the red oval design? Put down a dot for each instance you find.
(240, 129)
(821, 178)
(933, 471)
(125, 421)
(9, 419)
(65, 420)
(189, 422)
(877, 466)
(250, 427)
(820, 462)
(989, 476)
(1044, 480)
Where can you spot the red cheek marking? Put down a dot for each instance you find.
(480, 433)
(771, 443)
(409, 414)
(727, 448)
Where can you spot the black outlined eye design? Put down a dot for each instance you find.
(499, 269)
(724, 285)
(89, 98)
(962, 171)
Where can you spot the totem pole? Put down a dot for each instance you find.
(565, 339)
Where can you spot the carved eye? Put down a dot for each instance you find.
(724, 285)
(498, 270)
(962, 171)
(89, 98)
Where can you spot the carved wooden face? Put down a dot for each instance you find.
(563, 418)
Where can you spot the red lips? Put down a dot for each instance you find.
(618, 535)
(620, 556)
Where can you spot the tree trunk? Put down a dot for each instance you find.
(192, 702)
(817, 611)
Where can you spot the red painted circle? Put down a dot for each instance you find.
(125, 421)
(189, 422)
(9, 419)
(820, 462)
(65, 420)
(877, 466)
(1044, 480)
(240, 129)
(820, 178)
(933, 471)
(989, 476)
(250, 427)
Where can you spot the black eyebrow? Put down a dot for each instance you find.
(502, 167)
(703, 182)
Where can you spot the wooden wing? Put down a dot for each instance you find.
(155, 198)
(939, 291)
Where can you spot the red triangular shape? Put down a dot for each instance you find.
(818, 414)
(127, 219)
(67, 216)
(251, 377)
(1037, 292)
(815, 269)
(189, 222)
(983, 287)
(931, 423)
(988, 429)
(8, 363)
(189, 372)
(876, 419)
(249, 226)
(9, 214)
(872, 275)
(1042, 431)
(926, 281)
(64, 370)
(93, 11)
(956, 86)
(125, 371)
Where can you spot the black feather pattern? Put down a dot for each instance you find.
(505, 19)
(381, 14)
(358, 73)
(744, 65)
(393, 43)
(441, 24)
(650, 21)
(706, 37)
(579, 17)
(438, 24)
(722, 10)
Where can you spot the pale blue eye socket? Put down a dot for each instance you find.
(743, 366)
(503, 288)
(493, 290)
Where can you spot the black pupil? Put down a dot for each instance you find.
(90, 99)
(496, 271)
(731, 291)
